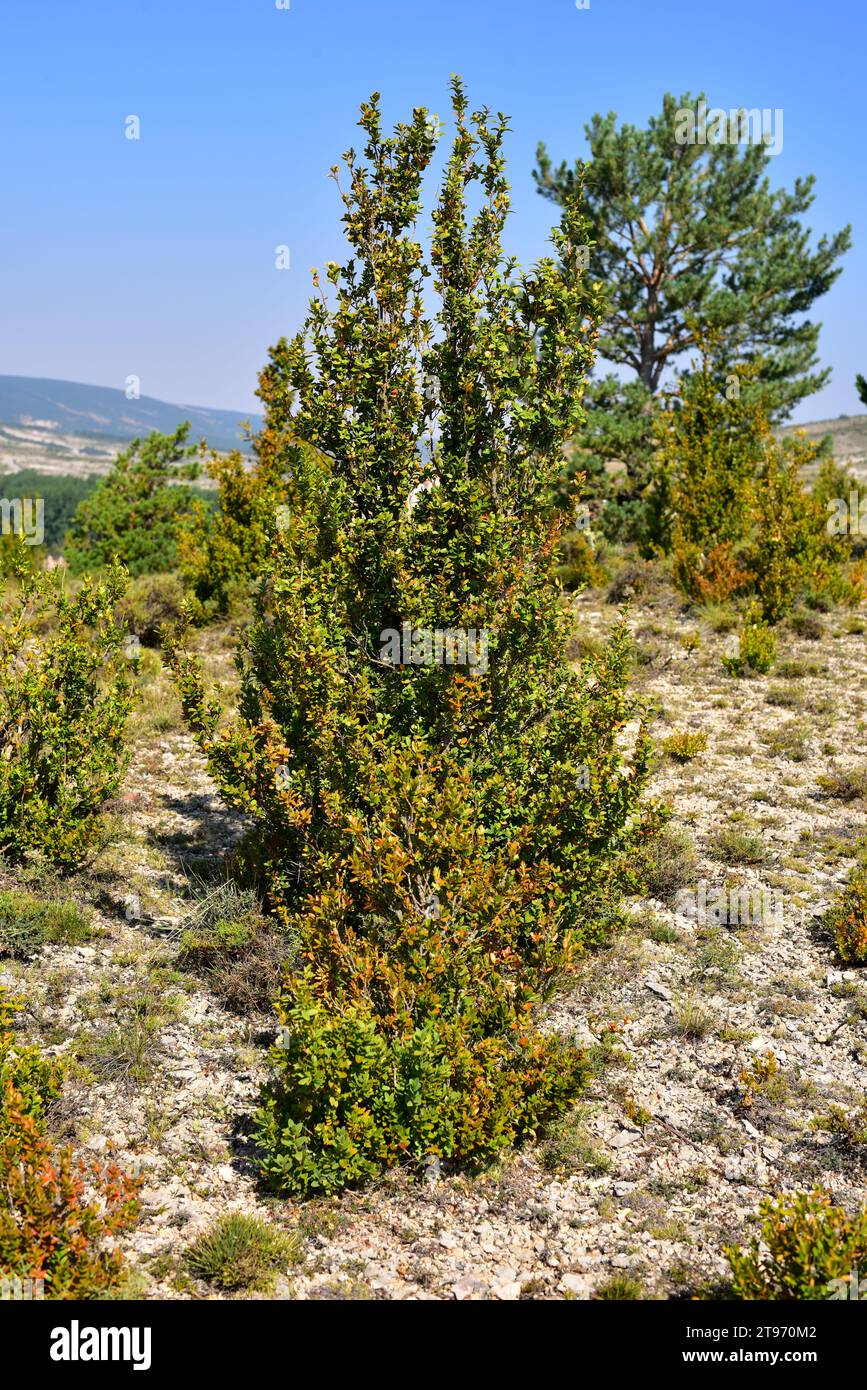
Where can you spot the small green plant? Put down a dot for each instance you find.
(242, 1252)
(636, 1114)
(797, 670)
(757, 648)
(757, 1077)
(27, 924)
(664, 933)
(808, 1249)
(684, 746)
(790, 742)
(718, 956)
(719, 617)
(37, 1080)
(844, 786)
(848, 1126)
(808, 626)
(786, 697)
(847, 918)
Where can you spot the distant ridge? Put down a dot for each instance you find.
(50, 407)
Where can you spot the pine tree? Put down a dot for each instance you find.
(687, 233)
(134, 512)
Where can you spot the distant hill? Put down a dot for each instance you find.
(849, 433)
(67, 426)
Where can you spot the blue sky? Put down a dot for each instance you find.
(156, 257)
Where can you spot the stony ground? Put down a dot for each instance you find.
(718, 1044)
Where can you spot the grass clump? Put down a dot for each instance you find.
(785, 697)
(719, 617)
(621, 1288)
(718, 956)
(128, 1050)
(27, 923)
(667, 862)
(693, 1020)
(242, 1252)
(850, 1127)
(734, 845)
(807, 625)
(240, 951)
(568, 1148)
(808, 1249)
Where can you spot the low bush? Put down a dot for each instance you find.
(808, 1249)
(848, 1127)
(640, 579)
(151, 602)
(36, 1080)
(709, 579)
(719, 617)
(55, 1211)
(847, 919)
(844, 786)
(28, 923)
(65, 693)
(579, 567)
(684, 745)
(807, 625)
